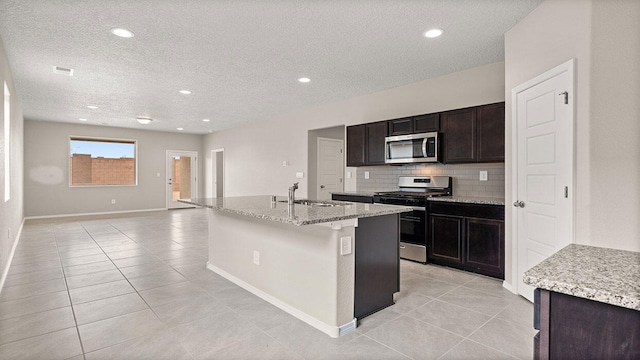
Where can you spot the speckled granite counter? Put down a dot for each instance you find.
(263, 208)
(468, 200)
(600, 274)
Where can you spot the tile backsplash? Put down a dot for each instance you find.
(466, 178)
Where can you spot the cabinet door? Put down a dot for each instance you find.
(376, 132)
(490, 133)
(356, 145)
(426, 123)
(445, 242)
(401, 126)
(484, 240)
(459, 136)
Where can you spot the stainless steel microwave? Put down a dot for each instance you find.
(411, 148)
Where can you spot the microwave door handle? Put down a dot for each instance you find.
(424, 147)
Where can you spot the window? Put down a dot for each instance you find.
(96, 162)
(7, 143)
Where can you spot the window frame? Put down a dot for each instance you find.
(103, 139)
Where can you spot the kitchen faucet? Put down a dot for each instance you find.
(292, 193)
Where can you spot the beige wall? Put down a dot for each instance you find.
(254, 153)
(46, 167)
(602, 37)
(12, 211)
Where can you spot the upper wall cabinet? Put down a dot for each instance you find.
(365, 144)
(473, 134)
(414, 124)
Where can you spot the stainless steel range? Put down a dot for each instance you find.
(414, 191)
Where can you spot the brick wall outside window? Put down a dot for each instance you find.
(86, 170)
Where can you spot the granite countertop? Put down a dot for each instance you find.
(263, 208)
(468, 200)
(600, 274)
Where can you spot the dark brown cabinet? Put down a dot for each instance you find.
(414, 124)
(473, 134)
(577, 328)
(467, 236)
(365, 144)
(356, 141)
(376, 132)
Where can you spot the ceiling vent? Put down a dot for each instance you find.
(62, 71)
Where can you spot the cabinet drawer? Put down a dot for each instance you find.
(482, 211)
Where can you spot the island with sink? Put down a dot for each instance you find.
(327, 263)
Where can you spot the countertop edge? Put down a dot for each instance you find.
(605, 297)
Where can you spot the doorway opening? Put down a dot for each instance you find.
(325, 162)
(182, 171)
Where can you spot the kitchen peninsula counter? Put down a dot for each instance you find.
(327, 263)
(587, 304)
(262, 207)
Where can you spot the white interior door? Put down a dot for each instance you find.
(543, 179)
(182, 171)
(330, 167)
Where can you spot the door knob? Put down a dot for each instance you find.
(518, 203)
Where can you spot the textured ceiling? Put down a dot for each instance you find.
(240, 59)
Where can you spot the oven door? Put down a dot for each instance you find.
(413, 240)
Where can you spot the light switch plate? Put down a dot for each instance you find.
(484, 176)
(366, 174)
(285, 163)
(256, 257)
(299, 175)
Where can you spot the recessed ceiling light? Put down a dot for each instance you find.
(433, 33)
(144, 120)
(180, 129)
(206, 120)
(62, 71)
(304, 80)
(92, 107)
(122, 32)
(186, 92)
(82, 119)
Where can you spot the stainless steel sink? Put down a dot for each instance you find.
(313, 203)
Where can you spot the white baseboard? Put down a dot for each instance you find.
(508, 286)
(92, 214)
(5, 271)
(333, 331)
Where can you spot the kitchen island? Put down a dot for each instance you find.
(587, 304)
(326, 263)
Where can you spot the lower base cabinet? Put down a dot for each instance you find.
(577, 328)
(467, 236)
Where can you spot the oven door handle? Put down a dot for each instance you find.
(417, 208)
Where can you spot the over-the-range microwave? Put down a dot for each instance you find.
(413, 148)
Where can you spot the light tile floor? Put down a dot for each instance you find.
(136, 287)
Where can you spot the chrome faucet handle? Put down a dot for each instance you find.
(295, 186)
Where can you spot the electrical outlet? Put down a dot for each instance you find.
(113, 201)
(345, 245)
(484, 176)
(348, 174)
(256, 257)
(299, 175)
(157, 174)
(285, 163)
(366, 175)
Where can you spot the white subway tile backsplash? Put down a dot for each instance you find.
(466, 180)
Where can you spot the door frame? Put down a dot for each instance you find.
(194, 175)
(213, 175)
(569, 67)
(318, 167)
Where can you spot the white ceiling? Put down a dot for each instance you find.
(240, 59)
